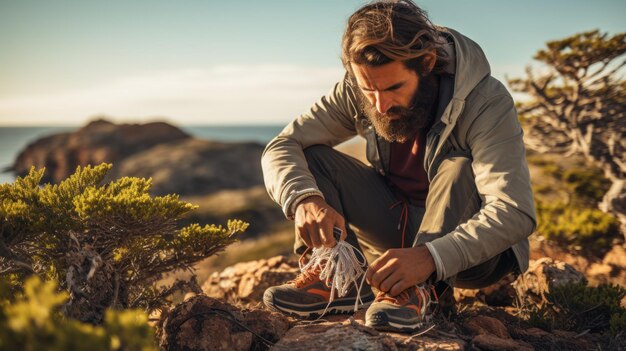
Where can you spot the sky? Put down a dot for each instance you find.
(201, 62)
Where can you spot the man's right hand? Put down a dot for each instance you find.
(315, 220)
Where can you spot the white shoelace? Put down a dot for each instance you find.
(426, 299)
(340, 266)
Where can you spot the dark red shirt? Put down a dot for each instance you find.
(406, 168)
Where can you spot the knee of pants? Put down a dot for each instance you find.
(315, 156)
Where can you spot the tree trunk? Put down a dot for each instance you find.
(614, 202)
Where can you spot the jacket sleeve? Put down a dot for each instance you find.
(330, 121)
(507, 215)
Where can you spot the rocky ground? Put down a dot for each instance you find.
(230, 316)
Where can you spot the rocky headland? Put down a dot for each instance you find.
(225, 179)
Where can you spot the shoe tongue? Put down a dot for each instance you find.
(306, 277)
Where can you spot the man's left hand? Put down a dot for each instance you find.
(399, 269)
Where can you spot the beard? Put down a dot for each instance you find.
(409, 121)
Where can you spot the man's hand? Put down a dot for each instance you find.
(399, 269)
(315, 220)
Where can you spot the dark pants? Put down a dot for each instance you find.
(374, 224)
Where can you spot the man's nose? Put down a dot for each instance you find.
(383, 103)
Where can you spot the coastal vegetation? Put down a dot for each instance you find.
(104, 246)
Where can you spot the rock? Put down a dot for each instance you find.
(600, 269)
(542, 275)
(195, 166)
(558, 340)
(247, 281)
(487, 325)
(204, 323)
(491, 334)
(616, 257)
(352, 336)
(501, 293)
(544, 248)
(97, 142)
(176, 162)
(595, 270)
(492, 342)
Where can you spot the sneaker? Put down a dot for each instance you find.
(308, 297)
(407, 312)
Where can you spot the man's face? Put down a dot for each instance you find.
(395, 99)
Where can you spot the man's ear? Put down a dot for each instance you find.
(428, 63)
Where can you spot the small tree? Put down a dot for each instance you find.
(578, 106)
(107, 245)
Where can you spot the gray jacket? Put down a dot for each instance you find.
(476, 117)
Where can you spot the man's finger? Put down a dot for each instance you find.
(399, 287)
(304, 235)
(374, 266)
(326, 232)
(314, 234)
(341, 225)
(381, 274)
(388, 283)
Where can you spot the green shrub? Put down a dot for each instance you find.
(31, 321)
(586, 307)
(107, 245)
(578, 307)
(586, 186)
(570, 225)
(618, 323)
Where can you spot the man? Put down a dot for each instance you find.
(447, 199)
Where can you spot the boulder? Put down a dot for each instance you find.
(557, 340)
(542, 275)
(195, 166)
(353, 336)
(97, 142)
(204, 323)
(494, 343)
(616, 257)
(176, 162)
(247, 281)
(611, 269)
(487, 325)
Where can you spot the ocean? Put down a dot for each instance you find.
(15, 139)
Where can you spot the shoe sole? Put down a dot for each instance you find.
(338, 306)
(384, 324)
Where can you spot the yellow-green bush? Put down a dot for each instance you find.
(570, 225)
(586, 185)
(31, 321)
(566, 200)
(106, 244)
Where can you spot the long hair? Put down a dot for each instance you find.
(392, 30)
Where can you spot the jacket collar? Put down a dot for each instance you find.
(469, 66)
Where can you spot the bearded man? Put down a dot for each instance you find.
(446, 201)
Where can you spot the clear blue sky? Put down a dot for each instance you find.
(207, 62)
